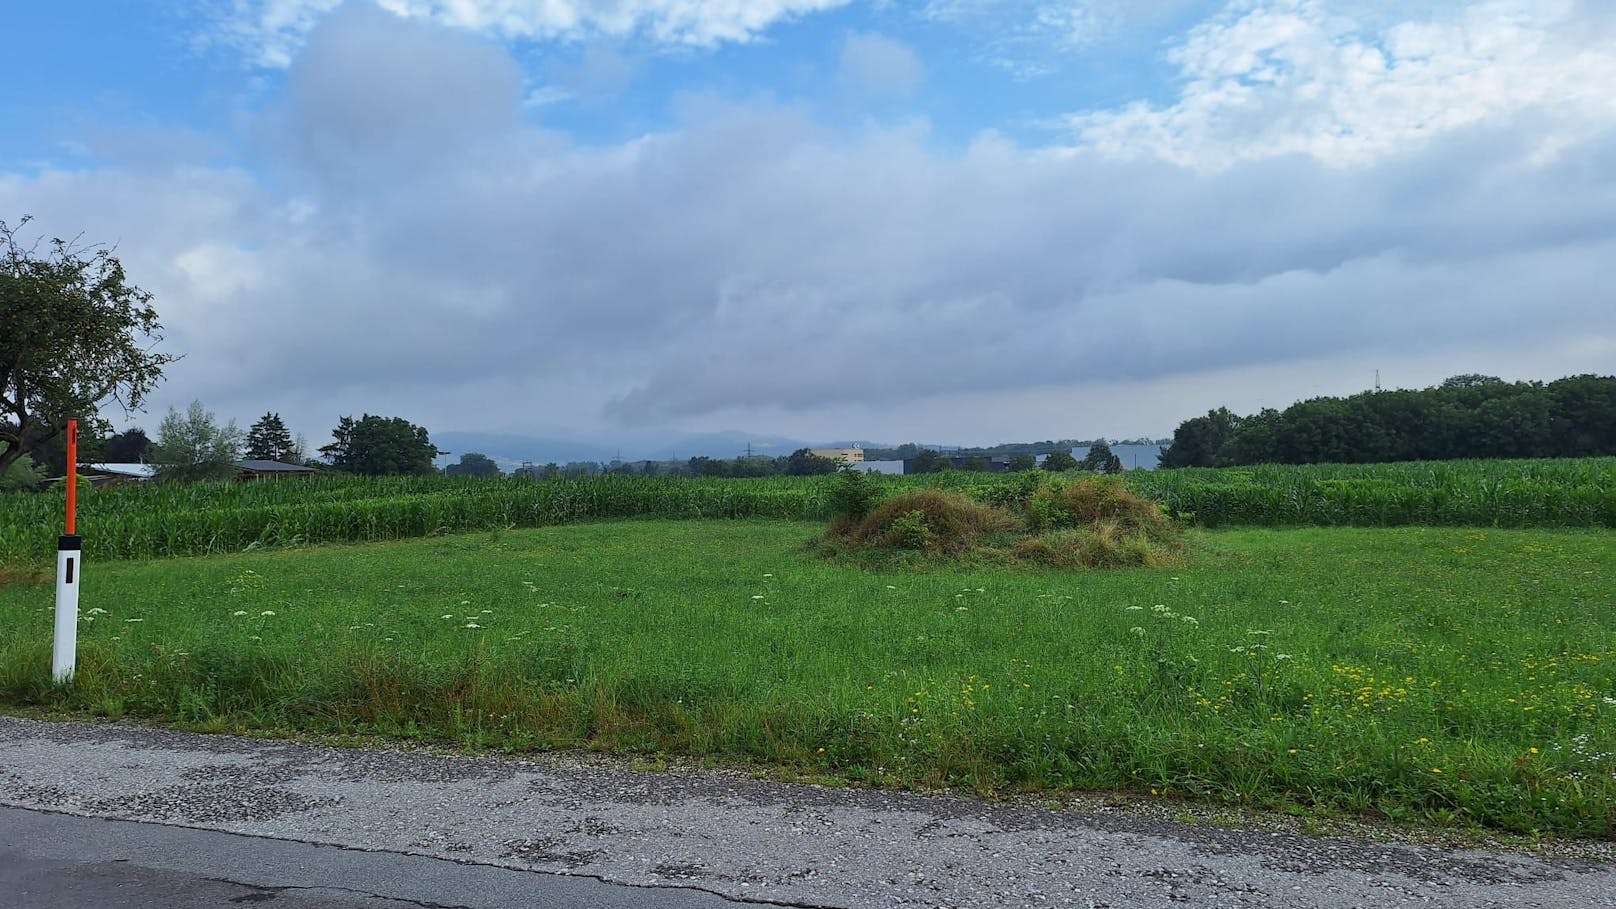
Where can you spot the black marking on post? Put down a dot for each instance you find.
(70, 561)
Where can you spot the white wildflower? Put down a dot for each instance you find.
(267, 612)
(471, 625)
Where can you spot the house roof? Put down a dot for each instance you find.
(145, 471)
(270, 467)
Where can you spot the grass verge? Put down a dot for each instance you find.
(1458, 677)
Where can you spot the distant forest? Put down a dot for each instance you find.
(1469, 416)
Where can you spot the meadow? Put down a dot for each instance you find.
(1456, 676)
(1427, 642)
(159, 521)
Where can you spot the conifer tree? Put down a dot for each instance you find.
(269, 440)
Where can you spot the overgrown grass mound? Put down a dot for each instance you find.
(1084, 523)
(929, 520)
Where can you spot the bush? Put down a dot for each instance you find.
(1092, 502)
(852, 496)
(1090, 523)
(929, 519)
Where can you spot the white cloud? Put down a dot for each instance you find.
(1291, 77)
(880, 65)
(1034, 37)
(412, 246)
(273, 30)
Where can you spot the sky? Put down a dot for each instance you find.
(956, 221)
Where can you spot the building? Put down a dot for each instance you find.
(116, 474)
(252, 471)
(844, 455)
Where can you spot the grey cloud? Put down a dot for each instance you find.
(755, 258)
(371, 90)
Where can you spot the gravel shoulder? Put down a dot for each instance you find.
(746, 839)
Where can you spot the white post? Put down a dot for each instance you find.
(69, 565)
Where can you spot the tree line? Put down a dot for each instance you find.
(1466, 416)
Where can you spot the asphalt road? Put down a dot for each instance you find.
(251, 820)
(56, 861)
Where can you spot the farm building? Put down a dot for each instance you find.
(116, 474)
(249, 471)
(844, 455)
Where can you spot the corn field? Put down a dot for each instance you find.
(149, 521)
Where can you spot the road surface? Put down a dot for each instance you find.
(96, 814)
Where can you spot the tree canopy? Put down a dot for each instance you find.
(77, 334)
(1468, 416)
(378, 446)
(193, 446)
(269, 440)
(473, 464)
(128, 447)
(1059, 460)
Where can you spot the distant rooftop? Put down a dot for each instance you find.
(271, 467)
(146, 471)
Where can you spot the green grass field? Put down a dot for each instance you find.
(1455, 676)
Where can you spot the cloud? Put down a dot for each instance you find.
(1294, 77)
(412, 246)
(370, 89)
(271, 31)
(881, 66)
(1036, 37)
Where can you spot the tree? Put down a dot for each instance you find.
(269, 440)
(804, 463)
(977, 464)
(128, 447)
(928, 461)
(76, 334)
(1059, 460)
(380, 446)
(22, 474)
(1198, 441)
(1099, 458)
(473, 464)
(1023, 461)
(193, 446)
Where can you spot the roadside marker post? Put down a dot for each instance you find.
(69, 566)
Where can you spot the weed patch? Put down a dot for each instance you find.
(1084, 523)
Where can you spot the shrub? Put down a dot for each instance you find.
(1099, 501)
(852, 496)
(938, 521)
